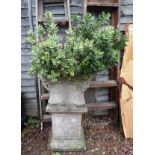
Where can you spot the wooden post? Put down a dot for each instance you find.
(69, 14)
(40, 10)
(84, 7)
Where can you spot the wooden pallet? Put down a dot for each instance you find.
(112, 85)
(58, 20)
(101, 106)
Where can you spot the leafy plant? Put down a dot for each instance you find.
(90, 46)
(32, 122)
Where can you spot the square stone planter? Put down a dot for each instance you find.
(67, 104)
(67, 133)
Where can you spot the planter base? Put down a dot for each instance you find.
(67, 145)
(67, 133)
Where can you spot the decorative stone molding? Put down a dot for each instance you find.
(67, 92)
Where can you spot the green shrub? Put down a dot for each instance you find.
(32, 123)
(90, 46)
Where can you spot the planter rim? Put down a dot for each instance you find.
(55, 108)
(46, 82)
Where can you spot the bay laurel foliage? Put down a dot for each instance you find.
(91, 46)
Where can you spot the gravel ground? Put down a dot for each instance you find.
(102, 138)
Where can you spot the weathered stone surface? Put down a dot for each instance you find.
(68, 144)
(51, 108)
(68, 92)
(66, 126)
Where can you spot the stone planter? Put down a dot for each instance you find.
(66, 104)
(68, 93)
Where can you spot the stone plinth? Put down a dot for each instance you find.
(67, 133)
(67, 144)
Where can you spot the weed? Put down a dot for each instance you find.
(32, 122)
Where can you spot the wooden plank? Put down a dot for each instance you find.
(53, 4)
(100, 113)
(24, 12)
(126, 19)
(115, 17)
(69, 13)
(25, 67)
(53, 1)
(46, 118)
(24, 30)
(89, 95)
(60, 19)
(25, 75)
(76, 5)
(56, 10)
(57, 20)
(108, 83)
(101, 91)
(31, 109)
(26, 58)
(27, 82)
(26, 52)
(76, 10)
(25, 2)
(119, 12)
(28, 89)
(25, 21)
(103, 1)
(126, 86)
(29, 95)
(127, 10)
(101, 77)
(30, 101)
(40, 9)
(39, 99)
(65, 9)
(32, 112)
(101, 106)
(126, 2)
(102, 4)
(84, 7)
(45, 96)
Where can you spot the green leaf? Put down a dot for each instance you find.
(89, 47)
